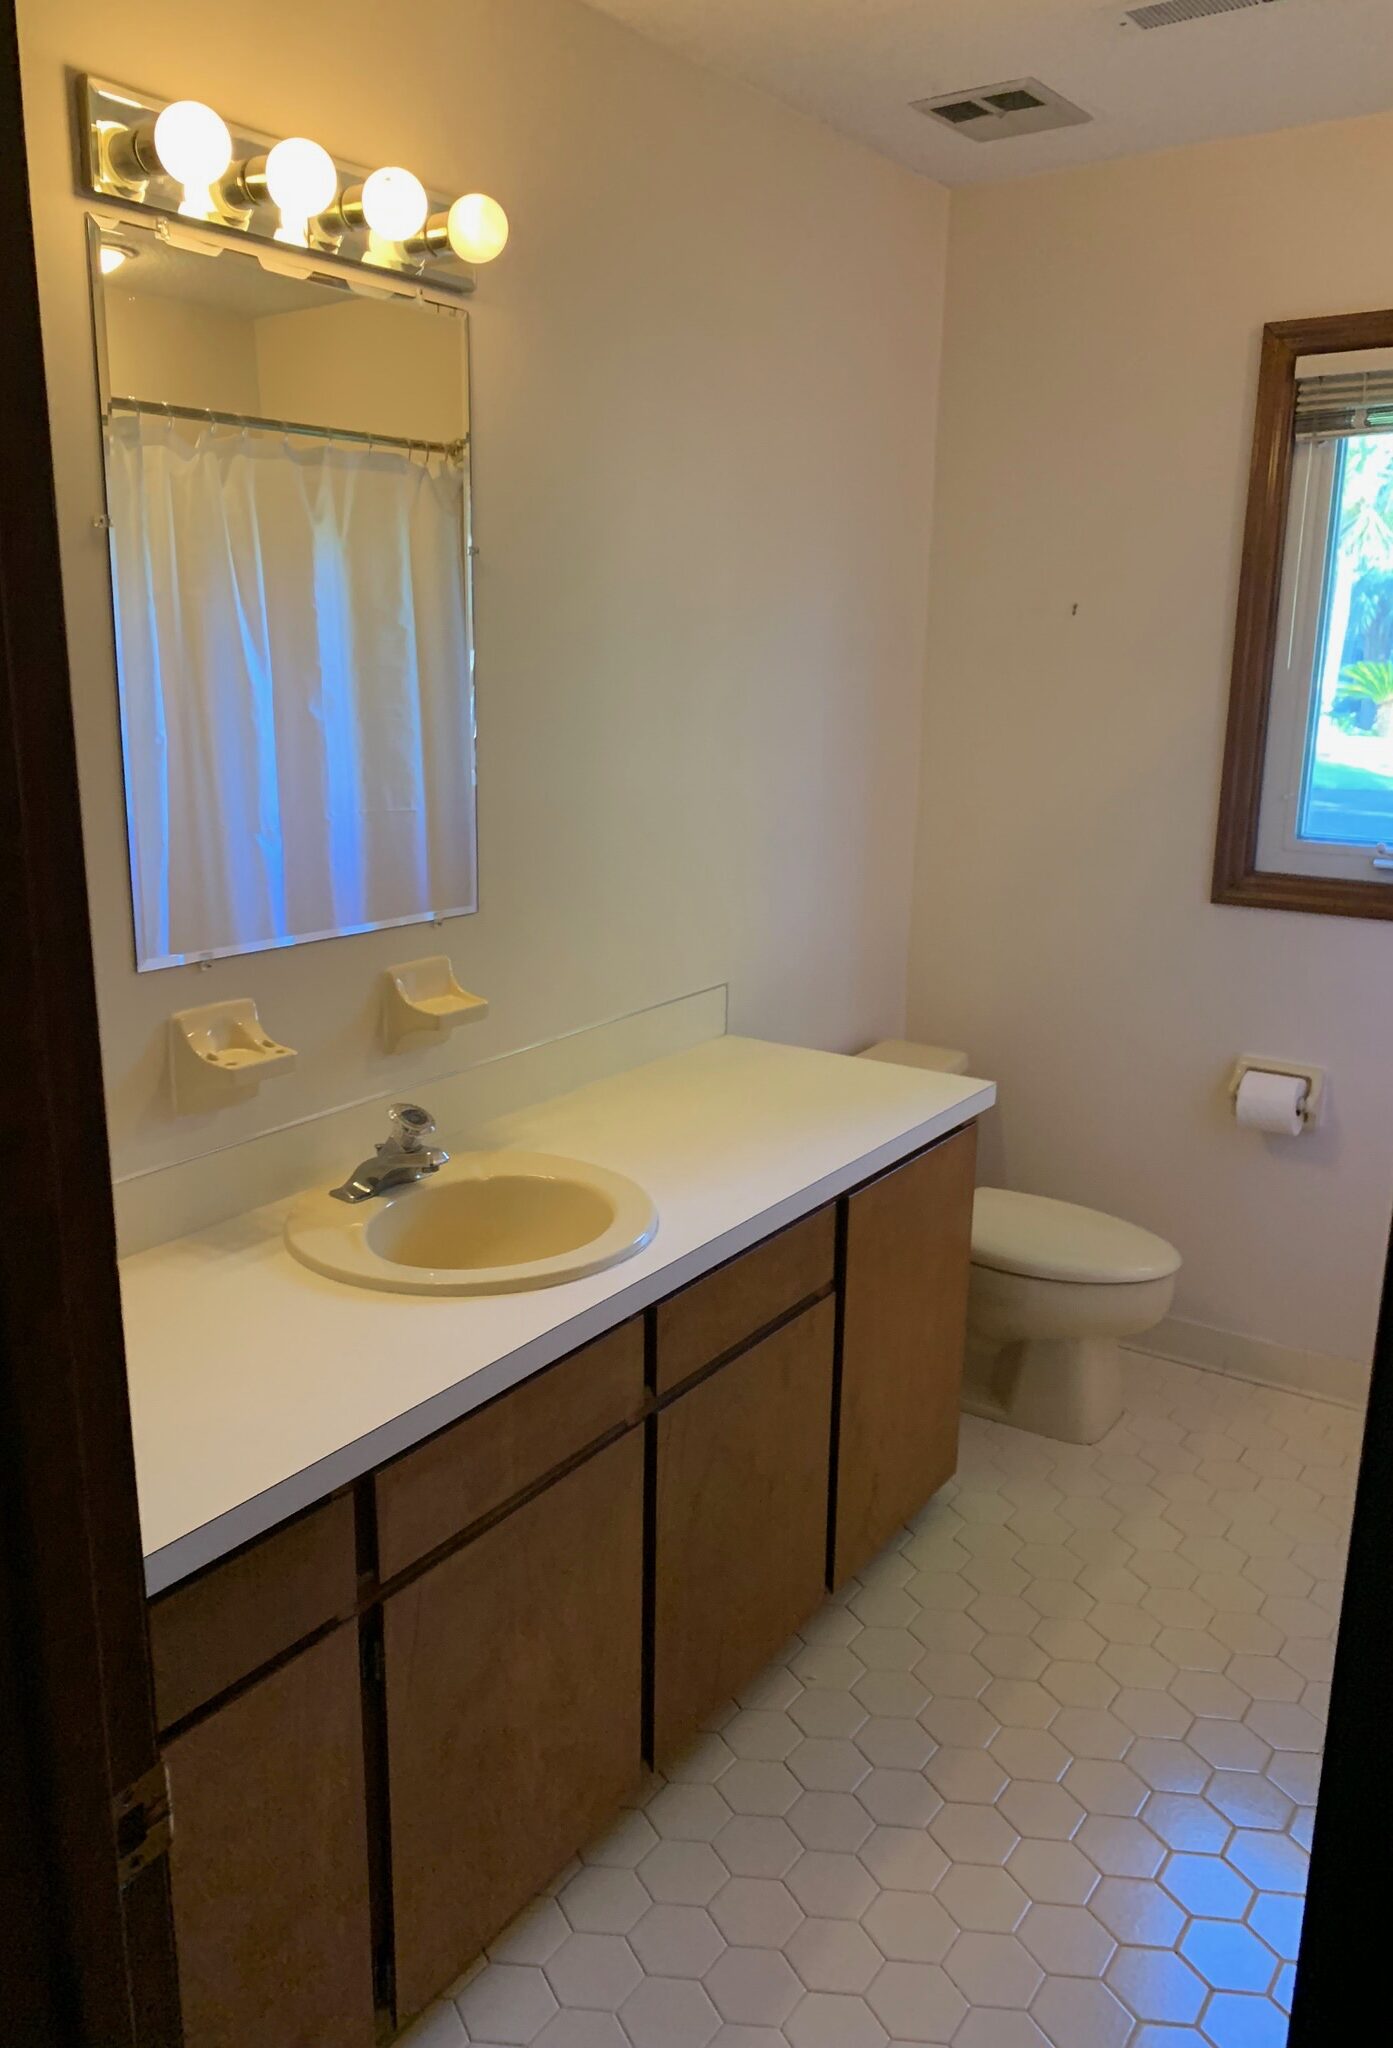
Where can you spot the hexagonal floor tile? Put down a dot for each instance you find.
(834, 1887)
(509, 2002)
(830, 2019)
(899, 1798)
(835, 1955)
(753, 1987)
(1074, 2010)
(756, 1912)
(599, 1901)
(757, 1845)
(902, 1859)
(994, 1969)
(1045, 1812)
(571, 2028)
(1137, 1913)
(1157, 1984)
(1067, 1941)
(669, 2012)
(594, 1970)
(894, 1743)
(976, 1834)
(1056, 1873)
(1235, 2021)
(918, 2000)
(676, 1941)
(1229, 1957)
(983, 1900)
(910, 1927)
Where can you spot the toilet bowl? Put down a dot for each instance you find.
(1054, 1289)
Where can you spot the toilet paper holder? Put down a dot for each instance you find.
(1314, 1077)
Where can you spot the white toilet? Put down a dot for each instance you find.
(1054, 1287)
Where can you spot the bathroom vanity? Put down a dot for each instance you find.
(391, 1719)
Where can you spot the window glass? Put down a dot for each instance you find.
(1347, 785)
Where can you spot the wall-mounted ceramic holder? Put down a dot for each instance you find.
(422, 1003)
(1314, 1077)
(220, 1055)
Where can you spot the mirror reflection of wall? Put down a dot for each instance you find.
(288, 488)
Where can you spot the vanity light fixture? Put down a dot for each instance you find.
(112, 255)
(180, 157)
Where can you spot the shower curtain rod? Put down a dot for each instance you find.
(454, 450)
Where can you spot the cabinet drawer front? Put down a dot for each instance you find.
(207, 1635)
(481, 1463)
(715, 1314)
(514, 1682)
(741, 1521)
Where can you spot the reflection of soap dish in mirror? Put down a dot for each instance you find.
(422, 1002)
(219, 1054)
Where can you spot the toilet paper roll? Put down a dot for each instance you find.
(1272, 1102)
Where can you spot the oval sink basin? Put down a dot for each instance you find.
(488, 1223)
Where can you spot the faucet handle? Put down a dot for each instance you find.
(411, 1125)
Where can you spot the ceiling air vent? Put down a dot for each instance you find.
(991, 113)
(1166, 13)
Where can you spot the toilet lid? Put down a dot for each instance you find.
(1048, 1240)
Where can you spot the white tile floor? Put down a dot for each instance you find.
(1042, 1778)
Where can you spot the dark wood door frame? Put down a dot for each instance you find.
(95, 1964)
(86, 1965)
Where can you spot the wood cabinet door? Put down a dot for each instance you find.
(514, 1705)
(269, 1863)
(908, 1252)
(741, 1549)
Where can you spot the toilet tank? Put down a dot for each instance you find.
(903, 1052)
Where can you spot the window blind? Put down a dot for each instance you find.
(1357, 402)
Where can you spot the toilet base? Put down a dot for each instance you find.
(1069, 1388)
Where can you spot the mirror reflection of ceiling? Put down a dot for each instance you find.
(857, 64)
(222, 333)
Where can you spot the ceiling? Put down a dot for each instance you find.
(856, 64)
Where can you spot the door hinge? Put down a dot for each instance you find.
(144, 1824)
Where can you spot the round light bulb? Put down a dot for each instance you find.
(395, 204)
(111, 256)
(301, 177)
(477, 228)
(192, 143)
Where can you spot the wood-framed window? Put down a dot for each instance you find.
(1306, 808)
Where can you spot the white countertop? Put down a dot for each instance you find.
(258, 1387)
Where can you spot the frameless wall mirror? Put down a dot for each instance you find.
(287, 475)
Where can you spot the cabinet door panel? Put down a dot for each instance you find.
(514, 1678)
(908, 1252)
(741, 1520)
(269, 1864)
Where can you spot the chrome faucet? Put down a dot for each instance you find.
(403, 1158)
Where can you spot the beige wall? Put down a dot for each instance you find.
(178, 354)
(373, 366)
(704, 382)
(1098, 391)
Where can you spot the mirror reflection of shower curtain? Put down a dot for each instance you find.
(296, 683)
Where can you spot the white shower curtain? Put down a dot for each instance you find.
(296, 683)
